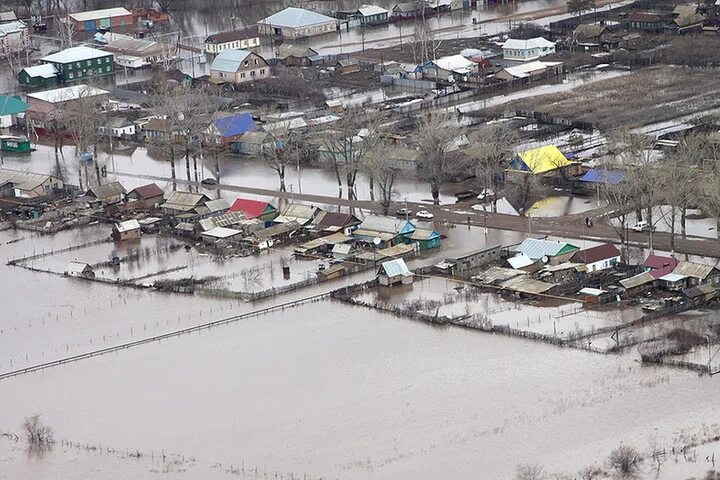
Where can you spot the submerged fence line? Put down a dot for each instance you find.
(157, 338)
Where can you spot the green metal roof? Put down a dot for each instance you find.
(12, 105)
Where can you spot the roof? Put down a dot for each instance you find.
(66, 94)
(610, 177)
(454, 63)
(595, 292)
(332, 239)
(233, 125)
(132, 45)
(291, 50)
(77, 267)
(107, 190)
(7, 16)
(75, 54)
(150, 190)
(335, 220)
(218, 205)
(529, 44)
(525, 284)
(395, 251)
(250, 208)
(276, 230)
(520, 261)
(564, 266)
(127, 226)
(184, 201)
(117, 122)
(526, 69)
(233, 35)
(424, 234)
(254, 138)
(46, 70)
(12, 105)
(695, 270)
(294, 17)
(346, 62)
(596, 254)
(589, 30)
(157, 124)
(227, 219)
(390, 225)
(185, 226)
(637, 280)
(699, 290)
(99, 14)
(221, 232)
(23, 180)
(644, 17)
(494, 275)
(229, 60)
(536, 249)
(297, 213)
(688, 19)
(13, 26)
(368, 10)
(544, 159)
(660, 265)
(473, 253)
(408, 6)
(672, 277)
(396, 267)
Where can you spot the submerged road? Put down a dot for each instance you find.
(569, 226)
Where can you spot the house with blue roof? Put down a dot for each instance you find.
(238, 66)
(607, 177)
(229, 128)
(294, 23)
(384, 231)
(9, 108)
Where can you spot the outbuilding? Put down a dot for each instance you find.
(294, 23)
(149, 196)
(127, 230)
(79, 269)
(394, 272)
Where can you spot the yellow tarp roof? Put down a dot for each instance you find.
(544, 159)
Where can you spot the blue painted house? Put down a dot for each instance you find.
(391, 231)
(425, 238)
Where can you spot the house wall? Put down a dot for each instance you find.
(526, 53)
(35, 82)
(119, 24)
(77, 71)
(294, 33)
(129, 235)
(237, 44)
(602, 264)
(254, 68)
(15, 41)
(374, 19)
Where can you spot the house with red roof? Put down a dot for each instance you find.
(149, 196)
(263, 211)
(659, 265)
(597, 258)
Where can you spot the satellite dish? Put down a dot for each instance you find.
(377, 241)
(545, 259)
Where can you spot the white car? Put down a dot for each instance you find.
(425, 215)
(643, 226)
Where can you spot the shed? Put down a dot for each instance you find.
(673, 281)
(425, 238)
(347, 66)
(701, 292)
(150, 195)
(698, 273)
(394, 272)
(333, 271)
(127, 230)
(221, 234)
(109, 193)
(469, 261)
(79, 269)
(638, 283)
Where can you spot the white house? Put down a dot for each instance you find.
(237, 39)
(531, 49)
(14, 36)
(294, 22)
(118, 127)
(450, 68)
(238, 66)
(600, 257)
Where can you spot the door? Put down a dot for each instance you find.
(90, 26)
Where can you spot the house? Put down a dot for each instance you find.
(600, 257)
(346, 66)
(303, 215)
(450, 69)
(39, 76)
(659, 265)
(149, 196)
(230, 128)
(462, 265)
(45, 105)
(117, 127)
(296, 55)
(586, 32)
(137, 52)
(673, 281)
(243, 39)
(530, 49)
(157, 130)
(597, 176)
(394, 272)
(546, 250)
(127, 230)
(254, 209)
(117, 19)
(425, 238)
(336, 222)
(372, 15)
(322, 245)
(406, 10)
(267, 237)
(30, 185)
(9, 108)
(638, 283)
(253, 143)
(109, 193)
(222, 234)
(185, 202)
(698, 273)
(14, 37)
(383, 231)
(216, 207)
(539, 161)
(238, 66)
(690, 22)
(530, 70)
(294, 23)
(648, 22)
(79, 269)
(80, 63)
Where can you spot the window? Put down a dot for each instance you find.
(256, 62)
(246, 63)
(70, 75)
(242, 75)
(107, 59)
(89, 62)
(69, 67)
(77, 64)
(107, 69)
(79, 74)
(252, 74)
(262, 71)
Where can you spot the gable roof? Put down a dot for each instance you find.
(610, 177)
(251, 208)
(233, 35)
(526, 69)
(229, 60)
(454, 63)
(24, 180)
(127, 226)
(335, 220)
(396, 267)
(695, 270)
(184, 201)
(544, 159)
(644, 17)
(291, 50)
(232, 125)
(108, 190)
(294, 17)
(218, 205)
(637, 280)
(521, 44)
(302, 214)
(99, 14)
(660, 265)
(75, 54)
(536, 249)
(147, 191)
(46, 70)
(596, 254)
(392, 225)
(65, 94)
(587, 30)
(221, 232)
(367, 10)
(12, 105)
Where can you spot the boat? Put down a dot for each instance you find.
(9, 143)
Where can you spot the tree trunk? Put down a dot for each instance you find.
(372, 189)
(172, 168)
(217, 165)
(672, 228)
(197, 178)
(281, 174)
(97, 165)
(435, 190)
(187, 164)
(683, 221)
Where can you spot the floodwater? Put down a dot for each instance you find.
(561, 205)
(697, 224)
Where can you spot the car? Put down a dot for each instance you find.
(209, 181)
(643, 226)
(424, 215)
(404, 212)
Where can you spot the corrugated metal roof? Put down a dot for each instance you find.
(46, 70)
(301, 214)
(232, 125)
(520, 261)
(610, 177)
(368, 10)
(294, 17)
(150, 190)
(108, 190)
(275, 230)
(395, 268)
(424, 234)
(493, 275)
(525, 284)
(184, 201)
(251, 208)
(699, 290)
(228, 219)
(595, 292)
(221, 232)
(75, 54)
(233, 36)
(660, 265)
(544, 159)
(529, 44)
(695, 270)
(596, 253)
(218, 205)
(391, 225)
(672, 277)
(536, 249)
(454, 63)
(99, 14)
(127, 226)
(66, 94)
(12, 105)
(77, 267)
(229, 60)
(23, 180)
(637, 280)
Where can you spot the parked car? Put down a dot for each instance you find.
(643, 226)
(404, 212)
(209, 181)
(425, 215)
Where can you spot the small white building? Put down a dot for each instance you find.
(118, 127)
(79, 269)
(294, 23)
(394, 272)
(237, 39)
(451, 68)
(127, 230)
(530, 49)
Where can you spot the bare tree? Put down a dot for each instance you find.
(619, 196)
(38, 434)
(384, 171)
(529, 472)
(284, 152)
(491, 147)
(625, 462)
(436, 134)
